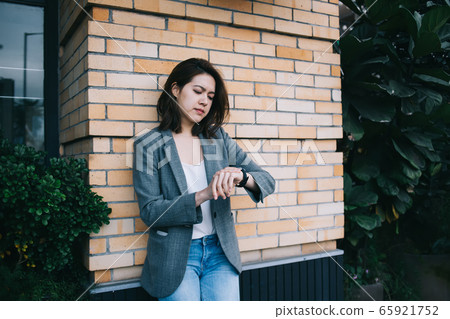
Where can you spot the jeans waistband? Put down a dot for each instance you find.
(207, 240)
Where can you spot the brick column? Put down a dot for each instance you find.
(284, 84)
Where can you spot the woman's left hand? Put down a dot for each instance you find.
(224, 180)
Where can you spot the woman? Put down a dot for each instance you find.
(184, 173)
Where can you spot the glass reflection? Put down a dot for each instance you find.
(22, 74)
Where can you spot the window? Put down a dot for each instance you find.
(28, 99)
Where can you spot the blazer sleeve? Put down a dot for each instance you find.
(157, 211)
(237, 157)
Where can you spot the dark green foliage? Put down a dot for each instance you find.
(44, 208)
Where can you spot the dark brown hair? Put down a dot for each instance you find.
(169, 111)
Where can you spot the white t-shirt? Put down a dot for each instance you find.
(196, 181)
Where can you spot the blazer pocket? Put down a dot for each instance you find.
(161, 233)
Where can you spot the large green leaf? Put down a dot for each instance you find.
(361, 196)
(420, 139)
(374, 109)
(435, 18)
(409, 153)
(410, 106)
(398, 89)
(429, 99)
(412, 173)
(368, 222)
(426, 43)
(352, 125)
(431, 79)
(364, 168)
(387, 185)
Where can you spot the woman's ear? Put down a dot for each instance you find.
(175, 89)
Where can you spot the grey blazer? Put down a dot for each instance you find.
(169, 210)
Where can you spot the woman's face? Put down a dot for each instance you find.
(195, 99)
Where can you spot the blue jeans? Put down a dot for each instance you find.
(209, 275)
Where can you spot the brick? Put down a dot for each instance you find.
(293, 105)
(96, 111)
(138, 20)
(274, 90)
(256, 215)
(153, 66)
(107, 161)
(97, 246)
(140, 226)
(297, 185)
(281, 252)
(315, 171)
(191, 27)
(279, 39)
(125, 273)
(235, 5)
(315, 197)
(135, 81)
(298, 238)
(336, 95)
(237, 116)
(339, 220)
(96, 44)
(330, 208)
(102, 276)
(293, 27)
(145, 98)
(284, 172)
(272, 11)
(327, 82)
(257, 131)
(312, 68)
(329, 132)
(238, 34)
(254, 103)
(207, 13)
(241, 202)
(310, 17)
(297, 132)
(293, 53)
(227, 72)
(333, 22)
(332, 158)
(312, 94)
(323, 57)
(110, 30)
(132, 113)
(254, 75)
(276, 118)
(248, 257)
(110, 128)
(315, 45)
(250, 20)
(225, 58)
(314, 119)
(338, 195)
(234, 87)
(109, 96)
(258, 243)
(97, 178)
(101, 145)
(159, 36)
(207, 42)
(295, 79)
(327, 107)
(181, 53)
(132, 48)
(116, 227)
(139, 256)
(125, 243)
(337, 120)
(327, 8)
(100, 14)
(96, 78)
(316, 222)
(120, 210)
(117, 3)
(329, 234)
(276, 227)
(244, 230)
(119, 178)
(104, 62)
(335, 70)
(298, 4)
(119, 145)
(161, 6)
(112, 194)
(314, 248)
(289, 212)
(254, 48)
(338, 170)
(274, 64)
(106, 261)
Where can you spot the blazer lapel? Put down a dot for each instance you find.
(171, 155)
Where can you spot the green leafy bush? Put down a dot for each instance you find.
(44, 208)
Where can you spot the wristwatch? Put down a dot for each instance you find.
(244, 179)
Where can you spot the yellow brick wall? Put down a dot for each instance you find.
(284, 84)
